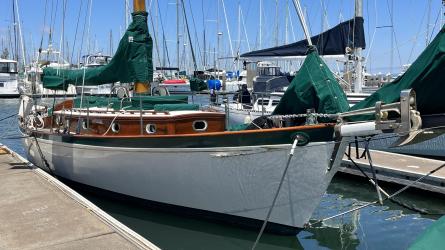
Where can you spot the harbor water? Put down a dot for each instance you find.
(376, 227)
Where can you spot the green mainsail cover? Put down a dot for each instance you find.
(132, 62)
(313, 87)
(425, 76)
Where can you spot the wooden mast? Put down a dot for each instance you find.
(140, 87)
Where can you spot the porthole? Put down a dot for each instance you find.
(150, 128)
(200, 125)
(115, 127)
(85, 124)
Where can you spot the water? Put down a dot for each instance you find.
(375, 227)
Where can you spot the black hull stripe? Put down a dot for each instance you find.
(221, 140)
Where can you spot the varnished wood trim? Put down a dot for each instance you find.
(259, 131)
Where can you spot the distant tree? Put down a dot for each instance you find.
(5, 54)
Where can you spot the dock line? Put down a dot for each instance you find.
(377, 201)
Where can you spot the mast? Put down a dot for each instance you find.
(22, 46)
(286, 38)
(195, 66)
(140, 87)
(227, 27)
(358, 53)
(261, 24)
(303, 21)
(177, 32)
(14, 23)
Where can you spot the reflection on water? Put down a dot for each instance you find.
(375, 227)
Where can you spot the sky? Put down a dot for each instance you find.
(412, 20)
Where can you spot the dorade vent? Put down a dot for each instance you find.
(150, 128)
(200, 125)
(115, 127)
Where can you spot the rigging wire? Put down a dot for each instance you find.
(154, 34)
(77, 27)
(394, 32)
(196, 34)
(165, 49)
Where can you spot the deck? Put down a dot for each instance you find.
(39, 212)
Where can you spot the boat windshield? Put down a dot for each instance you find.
(8, 67)
(269, 71)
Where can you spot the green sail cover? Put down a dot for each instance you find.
(425, 76)
(132, 62)
(313, 87)
(136, 103)
(432, 237)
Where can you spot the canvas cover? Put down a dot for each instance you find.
(114, 103)
(432, 237)
(425, 76)
(132, 62)
(331, 42)
(313, 87)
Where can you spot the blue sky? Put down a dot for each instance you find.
(410, 25)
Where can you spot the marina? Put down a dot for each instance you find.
(400, 169)
(284, 134)
(38, 211)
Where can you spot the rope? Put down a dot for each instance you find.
(400, 203)
(377, 201)
(291, 154)
(7, 117)
(42, 156)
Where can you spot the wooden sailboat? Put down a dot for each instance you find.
(165, 152)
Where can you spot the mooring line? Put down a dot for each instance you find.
(291, 154)
(377, 201)
(400, 203)
(7, 117)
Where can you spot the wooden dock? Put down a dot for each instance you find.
(39, 212)
(399, 169)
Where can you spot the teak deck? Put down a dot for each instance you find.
(38, 211)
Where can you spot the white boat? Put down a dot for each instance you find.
(32, 83)
(93, 61)
(241, 113)
(8, 79)
(168, 78)
(159, 150)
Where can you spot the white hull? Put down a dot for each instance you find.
(238, 116)
(8, 86)
(238, 181)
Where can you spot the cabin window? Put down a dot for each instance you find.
(115, 127)
(2, 84)
(275, 102)
(264, 102)
(150, 128)
(200, 125)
